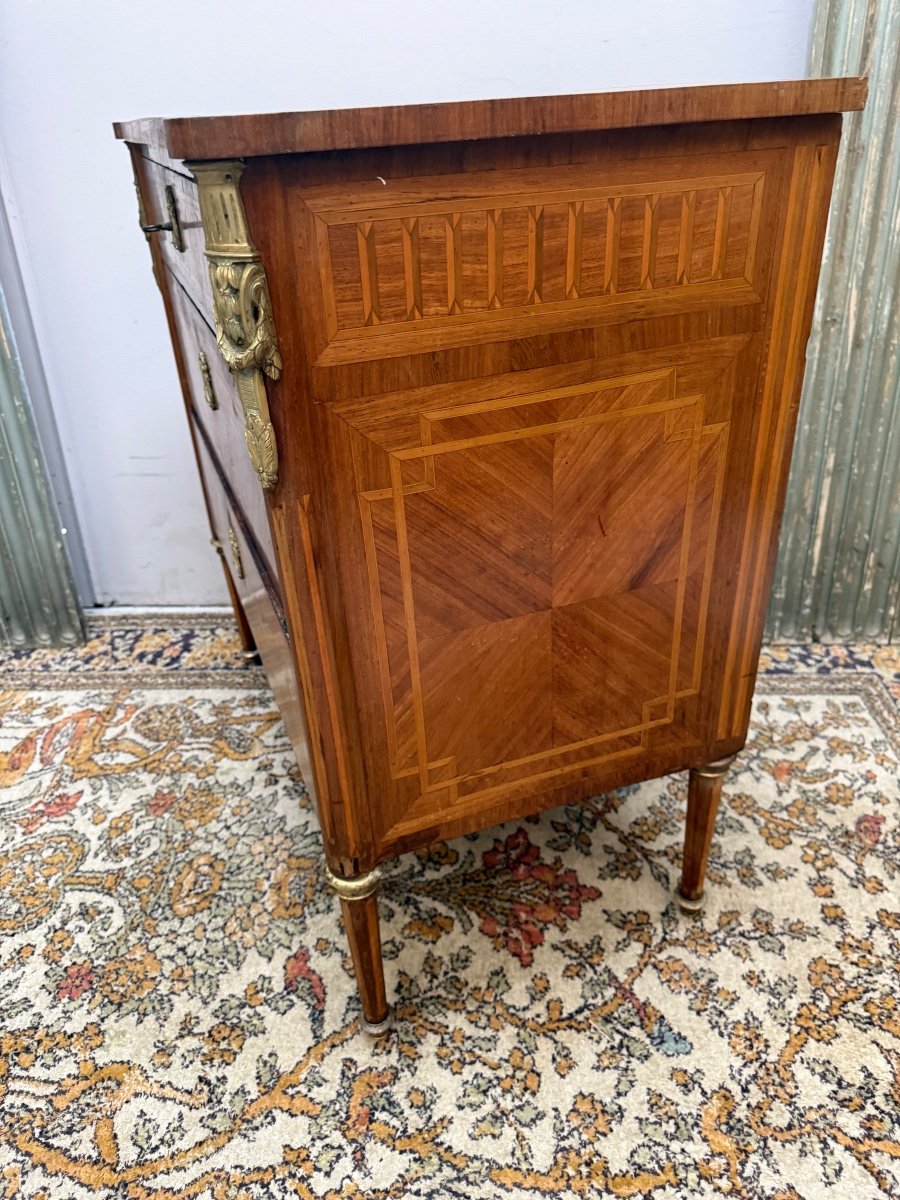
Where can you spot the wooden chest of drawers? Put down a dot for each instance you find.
(493, 404)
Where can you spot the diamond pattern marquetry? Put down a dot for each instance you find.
(531, 549)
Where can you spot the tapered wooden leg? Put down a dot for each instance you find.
(359, 906)
(245, 633)
(704, 791)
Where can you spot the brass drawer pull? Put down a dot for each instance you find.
(209, 393)
(236, 554)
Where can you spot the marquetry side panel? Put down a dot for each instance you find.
(453, 259)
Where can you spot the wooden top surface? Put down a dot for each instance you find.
(398, 125)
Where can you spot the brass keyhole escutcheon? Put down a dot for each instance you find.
(236, 554)
(209, 394)
(172, 210)
(173, 225)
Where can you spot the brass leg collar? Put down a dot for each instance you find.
(377, 1029)
(691, 908)
(714, 770)
(356, 888)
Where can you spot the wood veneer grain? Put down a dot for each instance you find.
(356, 128)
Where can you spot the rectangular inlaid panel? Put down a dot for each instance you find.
(413, 262)
(546, 558)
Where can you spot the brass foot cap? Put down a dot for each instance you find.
(377, 1029)
(691, 908)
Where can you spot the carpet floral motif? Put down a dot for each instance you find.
(177, 1010)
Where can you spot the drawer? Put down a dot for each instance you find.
(163, 190)
(217, 410)
(248, 569)
(262, 608)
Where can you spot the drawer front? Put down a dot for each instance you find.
(217, 410)
(262, 608)
(163, 189)
(248, 570)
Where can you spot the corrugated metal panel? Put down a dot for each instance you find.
(838, 573)
(38, 606)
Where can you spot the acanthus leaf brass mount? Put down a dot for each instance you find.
(245, 331)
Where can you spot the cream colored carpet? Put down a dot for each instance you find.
(177, 1011)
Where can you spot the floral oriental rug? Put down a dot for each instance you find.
(177, 1010)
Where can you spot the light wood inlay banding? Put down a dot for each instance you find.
(723, 220)
(721, 431)
(300, 642)
(818, 162)
(331, 693)
(453, 235)
(384, 666)
(811, 166)
(651, 233)
(495, 257)
(613, 232)
(756, 205)
(410, 617)
(690, 504)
